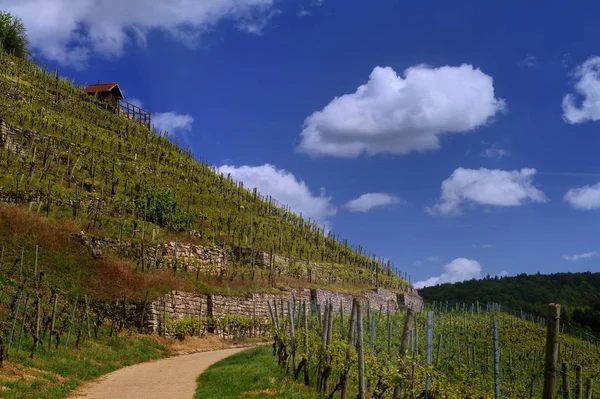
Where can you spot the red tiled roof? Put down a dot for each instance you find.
(100, 87)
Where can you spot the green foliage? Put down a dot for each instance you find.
(13, 35)
(182, 328)
(165, 211)
(462, 354)
(578, 294)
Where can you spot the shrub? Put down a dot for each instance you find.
(13, 35)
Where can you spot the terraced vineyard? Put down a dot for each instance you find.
(437, 354)
(65, 157)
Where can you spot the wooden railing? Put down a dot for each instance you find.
(133, 112)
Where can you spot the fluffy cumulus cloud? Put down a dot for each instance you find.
(586, 255)
(586, 197)
(459, 269)
(69, 31)
(487, 187)
(172, 122)
(369, 201)
(401, 114)
(285, 188)
(584, 104)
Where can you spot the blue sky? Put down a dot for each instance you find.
(474, 138)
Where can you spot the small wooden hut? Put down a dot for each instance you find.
(112, 96)
(109, 93)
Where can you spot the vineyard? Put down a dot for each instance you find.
(73, 175)
(460, 352)
(63, 156)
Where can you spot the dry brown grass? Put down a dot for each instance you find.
(14, 372)
(68, 263)
(202, 344)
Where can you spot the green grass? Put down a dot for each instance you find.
(250, 374)
(53, 373)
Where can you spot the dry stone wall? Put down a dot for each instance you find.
(193, 257)
(179, 305)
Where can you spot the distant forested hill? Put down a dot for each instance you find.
(578, 294)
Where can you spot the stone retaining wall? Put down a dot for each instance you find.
(179, 305)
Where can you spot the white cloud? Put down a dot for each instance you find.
(172, 122)
(285, 188)
(586, 255)
(399, 115)
(367, 202)
(494, 153)
(256, 26)
(530, 61)
(303, 13)
(487, 187)
(70, 31)
(487, 246)
(433, 259)
(135, 101)
(459, 269)
(587, 93)
(586, 197)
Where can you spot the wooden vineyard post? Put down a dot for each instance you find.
(327, 369)
(143, 315)
(23, 323)
(35, 266)
(12, 330)
(553, 326)
(496, 359)
(37, 325)
(274, 325)
(53, 320)
(589, 388)
(71, 320)
(361, 353)
(429, 350)
(404, 347)
(292, 334)
(344, 378)
(306, 375)
(566, 385)
(579, 382)
(87, 316)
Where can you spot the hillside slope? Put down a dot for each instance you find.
(578, 293)
(66, 158)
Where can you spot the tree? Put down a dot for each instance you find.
(13, 35)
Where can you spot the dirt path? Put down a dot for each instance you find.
(171, 378)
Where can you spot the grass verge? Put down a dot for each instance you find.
(250, 374)
(53, 373)
(56, 373)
